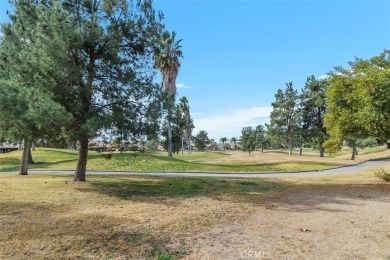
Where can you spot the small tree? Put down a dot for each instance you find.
(260, 137)
(201, 139)
(248, 141)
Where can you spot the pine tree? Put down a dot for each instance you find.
(94, 59)
(285, 116)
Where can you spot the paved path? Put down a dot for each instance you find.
(340, 170)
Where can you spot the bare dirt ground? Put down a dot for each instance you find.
(312, 222)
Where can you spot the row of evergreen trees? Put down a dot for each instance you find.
(350, 106)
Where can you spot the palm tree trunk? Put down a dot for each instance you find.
(82, 161)
(24, 161)
(182, 142)
(169, 138)
(188, 144)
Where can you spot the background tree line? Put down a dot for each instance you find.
(349, 107)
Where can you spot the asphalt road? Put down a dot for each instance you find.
(340, 170)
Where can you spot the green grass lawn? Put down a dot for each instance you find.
(309, 152)
(58, 159)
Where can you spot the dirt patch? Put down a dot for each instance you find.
(314, 222)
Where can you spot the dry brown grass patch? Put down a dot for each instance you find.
(52, 217)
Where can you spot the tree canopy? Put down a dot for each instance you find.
(93, 58)
(358, 101)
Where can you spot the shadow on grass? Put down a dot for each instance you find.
(45, 165)
(380, 159)
(131, 188)
(295, 197)
(9, 164)
(58, 151)
(9, 169)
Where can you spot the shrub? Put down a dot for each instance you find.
(108, 156)
(133, 148)
(382, 174)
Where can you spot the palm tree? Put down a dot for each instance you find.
(234, 141)
(185, 109)
(223, 140)
(167, 59)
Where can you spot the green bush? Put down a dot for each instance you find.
(108, 156)
(382, 174)
(133, 148)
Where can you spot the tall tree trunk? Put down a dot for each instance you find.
(82, 161)
(169, 138)
(182, 142)
(322, 150)
(353, 151)
(29, 156)
(33, 146)
(357, 152)
(24, 161)
(290, 147)
(189, 142)
(75, 145)
(388, 145)
(300, 151)
(20, 147)
(262, 149)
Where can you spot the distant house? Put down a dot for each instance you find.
(100, 146)
(236, 146)
(213, 146)
(7, 147)
(227, 147)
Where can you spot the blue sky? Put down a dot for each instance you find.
(238, 53)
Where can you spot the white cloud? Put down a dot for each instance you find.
(323, 76)
(230, 124)
(182, 85)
